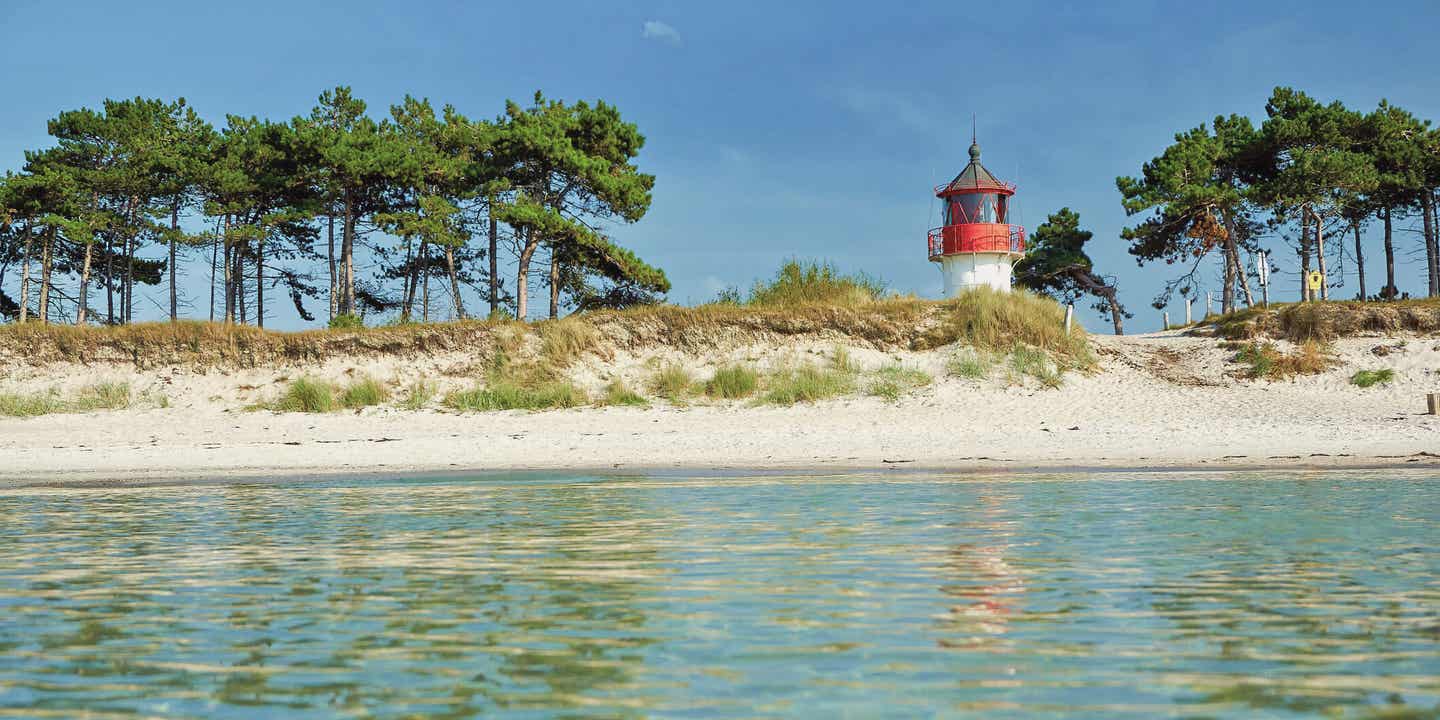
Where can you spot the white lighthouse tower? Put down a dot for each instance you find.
(975, 245)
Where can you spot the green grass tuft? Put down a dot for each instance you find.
(102, 396)
(807, 384)
(30, 404)
(672, 382)
(418, 396)
(972, 365)
(732, 382)
(306, 395)
(618, 393)
(1369, 378)
(504, 395)
(364, 392)
(893, 381)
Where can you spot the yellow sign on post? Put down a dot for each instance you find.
(1314, 280)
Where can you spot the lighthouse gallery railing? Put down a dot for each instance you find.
(976, 238)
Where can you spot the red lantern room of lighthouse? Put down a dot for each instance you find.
(975, 244)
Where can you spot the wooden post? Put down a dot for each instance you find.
(1209, 303)
(1069, 314)
(1167, 320)
(1187, 311)
(1433, 401)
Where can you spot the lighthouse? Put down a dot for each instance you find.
(975, 244)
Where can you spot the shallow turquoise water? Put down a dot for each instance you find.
(897, 595)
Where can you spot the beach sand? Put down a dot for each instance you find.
(1161, 400)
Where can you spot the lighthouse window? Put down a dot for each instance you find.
(978, 208)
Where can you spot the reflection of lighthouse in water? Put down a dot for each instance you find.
(975, 244)
(987, 587)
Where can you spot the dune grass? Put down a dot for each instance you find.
(364, 392)
(1266, 361)
(808, 282)
(306, 395)
(1328, 320)
(31, 404)
(96, 396)
(503, 395)
(970, 364)
(418, 395)
(617, 393)
(997, 322)
(894, 381)
(1371, 378)
(732, 382)
(807, 383)
(672, 382)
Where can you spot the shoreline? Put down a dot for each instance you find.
(1155, 403)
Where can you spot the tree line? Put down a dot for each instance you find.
(368, 216)
(1311, 172)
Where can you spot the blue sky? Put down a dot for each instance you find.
(775, 129)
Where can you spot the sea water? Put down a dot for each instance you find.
(867, 595)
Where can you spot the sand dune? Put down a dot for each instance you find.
(1158, 400)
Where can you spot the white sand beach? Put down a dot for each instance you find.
(1159, 400)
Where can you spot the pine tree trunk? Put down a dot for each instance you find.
(129, 296)
(260, 282)
(494, 264)
(425, 282)
(1304, 255)
(174, 229)
(1227, 293)
(84, 284)
(229, 249)
(330, 219)
(1240, 272)
(1320, 256)
(407, 286)
(522, 276)
(109, 281)
(45, 277)
(25, 276)
(214, 270)
(347, 252)
(1360, 259)
(1390, 292)
(1427, 206)
(454, 282)
(240, 281)
(1117, 316)
(1434, 241)
(554, 286)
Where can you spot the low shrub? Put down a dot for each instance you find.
(346, 321)
(1370, 378)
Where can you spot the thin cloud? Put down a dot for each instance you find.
(656, 30)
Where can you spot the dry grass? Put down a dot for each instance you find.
(996, 322)
(418, 395)
(508, 396)
(799, 283)
(1326, 321)
(1266, 361)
